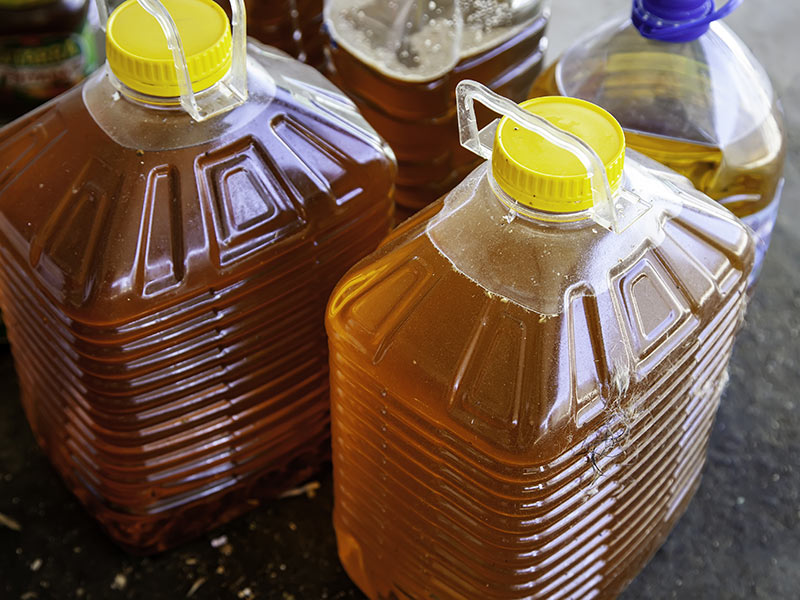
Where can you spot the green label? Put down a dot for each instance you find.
(23, 3)
(47, 54)
(41, 67)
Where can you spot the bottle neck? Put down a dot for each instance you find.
(538, 216)
(678, 10)
(675, 21)
(159, 102)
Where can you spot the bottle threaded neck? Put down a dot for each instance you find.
(677, 20)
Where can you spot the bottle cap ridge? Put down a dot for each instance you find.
(140, 58)
(542, 176)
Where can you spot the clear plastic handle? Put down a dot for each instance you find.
(233, 88)
(614, 213)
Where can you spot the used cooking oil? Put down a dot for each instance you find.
(294, 26)
(400, 62)
(524, 376)
(170, 232)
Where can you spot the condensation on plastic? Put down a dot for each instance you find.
(545, 259)
(421, 40)
(228, 93)
(714, 91)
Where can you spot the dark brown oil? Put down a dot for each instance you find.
(291, 25)
(165, 308)
(418, 119)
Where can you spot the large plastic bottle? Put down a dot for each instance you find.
(691, 95)
(291, 25)
(523, 381)
(46, 47)
(400, 62)
(165, 260)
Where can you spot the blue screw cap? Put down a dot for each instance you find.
(677, 20)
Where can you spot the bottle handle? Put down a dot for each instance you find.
(610, 212)
(234, 90)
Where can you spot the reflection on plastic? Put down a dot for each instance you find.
(165, 291)
(521, 408)
(233, 88)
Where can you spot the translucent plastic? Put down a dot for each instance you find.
(521, 407)
(401, 61)
(613, 212)
(705, 108)
(291, 25)
(230, 92)
(164, 281)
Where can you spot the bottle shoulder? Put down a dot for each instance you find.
(486, 361)
(710, 91)
(113, 231)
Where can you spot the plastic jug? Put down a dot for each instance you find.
(170, 232)
(291, 25)
(691, 95)
(46, 47)
(400, 62)
(523, 382)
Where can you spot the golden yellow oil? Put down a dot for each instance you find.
(743, 175)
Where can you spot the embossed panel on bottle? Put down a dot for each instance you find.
(26, 146)
(654, 307)
(397, 287)
(403, 289)
(321, 166)
(336, 107)
(691, 276)
(69, 248)
(706, 256)
(494, 370)
(252, 202)
(724, 235)
(587, 362)
(161, 233)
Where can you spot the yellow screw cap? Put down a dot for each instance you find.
(545, 177)
(138, 54)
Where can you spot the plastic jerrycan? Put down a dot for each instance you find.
(400, 62)
(170, 232)
(524, 379)
(691, 95)
(291, 25)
